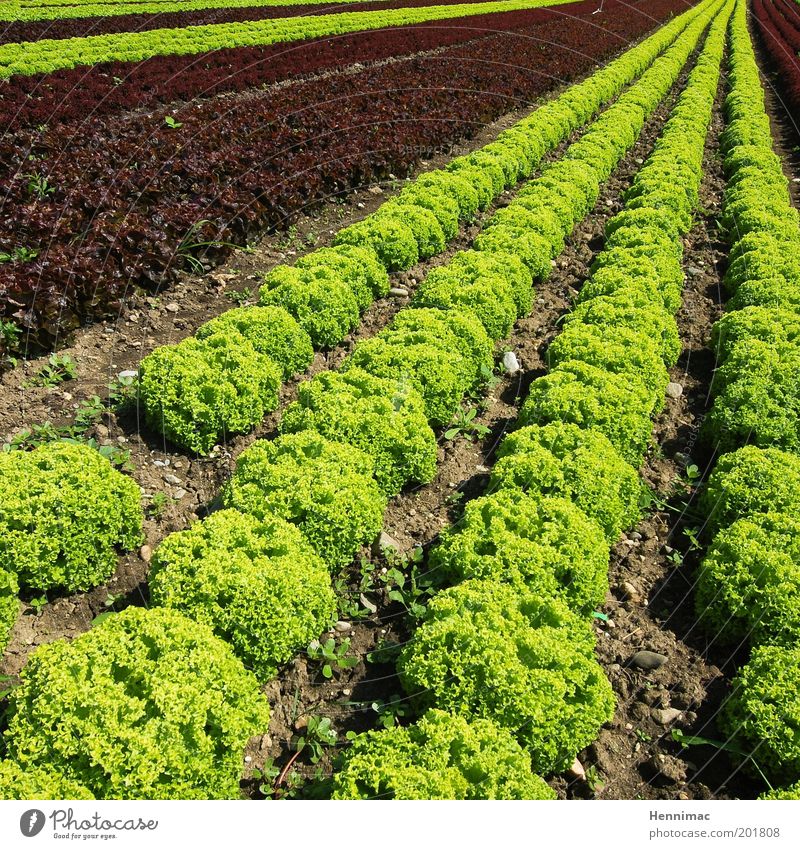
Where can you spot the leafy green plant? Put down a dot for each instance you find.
(323, 486)
(158, 503)
(39, 186)
(59, 367)
(319, 734)
(464, 425)
(172, 123)
(197, 390)
(439, 757)
(122, 391)
(483, 631)
(40, 782)
(545, 545)
(66, 513)
(564, 460)
(240, 297)
(150, 704)
(748, 586)
(384, 418)
(257, 583)
(333, 656)
(18, 254)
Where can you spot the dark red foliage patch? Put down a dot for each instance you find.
(778, 25)
(109, 201)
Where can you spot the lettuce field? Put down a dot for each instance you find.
(399, 399)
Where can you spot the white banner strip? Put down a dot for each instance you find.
(392, 825)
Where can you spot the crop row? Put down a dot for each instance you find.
(138, 191)
(223, 382)
(50, 55)
(19, 10)
(779, 26)
(748, 588)
(350, 439)
(70, 27)
(532, 556)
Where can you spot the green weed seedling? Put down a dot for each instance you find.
(333, 656)
(122, 391)
(465, 425)
(38, 603)
(172, 123)
(192, 241)
(594, 779)
(22, 254)
(405, 582)
(89, 412)
(687, 740)
(39, 186)
(389, 712)
(158, 502)
(59, 367)
(240, 298)
(9, 334)
(319, 734)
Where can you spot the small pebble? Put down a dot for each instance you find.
(145, 552)
(648, 659)
(178, 494)
(173, 479)
(384, 541)
(511, 363)
(577, 770)
(398, 292)
(368, 604)
(631, 592)
(674, 390)
(342, 626)
(172, 307)
(664, 716)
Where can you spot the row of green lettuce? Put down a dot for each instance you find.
(748, 586)
(47, 55)
(33, 10)
(511, 641)
(224, 379)
(258, 579)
